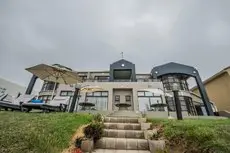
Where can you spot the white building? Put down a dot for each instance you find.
(121, 84)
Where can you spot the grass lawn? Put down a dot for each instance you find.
(196, 136)
(37, 132)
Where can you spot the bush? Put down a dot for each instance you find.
(97, 118)
(78, 142)
(94, 131)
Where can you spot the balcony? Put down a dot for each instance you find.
(124, 80)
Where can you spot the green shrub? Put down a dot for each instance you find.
(97, 117)
(94, 131)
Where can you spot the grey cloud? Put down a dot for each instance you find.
(88, 35)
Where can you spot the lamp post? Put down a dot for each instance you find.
(177, 101)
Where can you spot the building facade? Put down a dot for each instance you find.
(218, 89)
(121, 84)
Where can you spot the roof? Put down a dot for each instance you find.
(225, 70)
(122, 61)
(174, 68)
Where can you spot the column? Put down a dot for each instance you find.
(31, 85)
(204, 96)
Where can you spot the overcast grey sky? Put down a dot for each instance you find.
(90, 34)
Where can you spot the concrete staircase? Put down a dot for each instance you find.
(122, 135)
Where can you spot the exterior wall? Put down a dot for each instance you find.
(122, 87)
(135, 86)
(122, 93)
(12, 88)
(218, 91)
(63, 87)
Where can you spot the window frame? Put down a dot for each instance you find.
(128, 98)
(68, 93)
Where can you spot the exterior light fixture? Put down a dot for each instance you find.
(122, 65)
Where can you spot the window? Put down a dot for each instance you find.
(89, 94)
(99, 98)
(101, 78)
(97, 93)
(104, 93)
(83, 77)
(186, 104)
(148, 94)
(171, 103)
(168, 82)
(49, 86)
(117, 98)
(66, 93)
(146, 99)
(46, 99)
(128, 98)
(141, 93)
(144, 94)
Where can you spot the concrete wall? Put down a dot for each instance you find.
(218, 91)
(122, 93)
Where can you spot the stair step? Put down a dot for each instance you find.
(123, 126)
(119, 151)
(122, 143)
(123, 133)
(121, 120)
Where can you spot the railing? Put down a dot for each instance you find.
(138, 80)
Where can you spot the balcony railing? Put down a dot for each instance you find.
(138, 80)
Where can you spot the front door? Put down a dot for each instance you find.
(123, 96)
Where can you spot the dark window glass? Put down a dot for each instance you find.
(49, 86)
(66, 93)
(101, 78)
(168, 82)
(128, 98)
